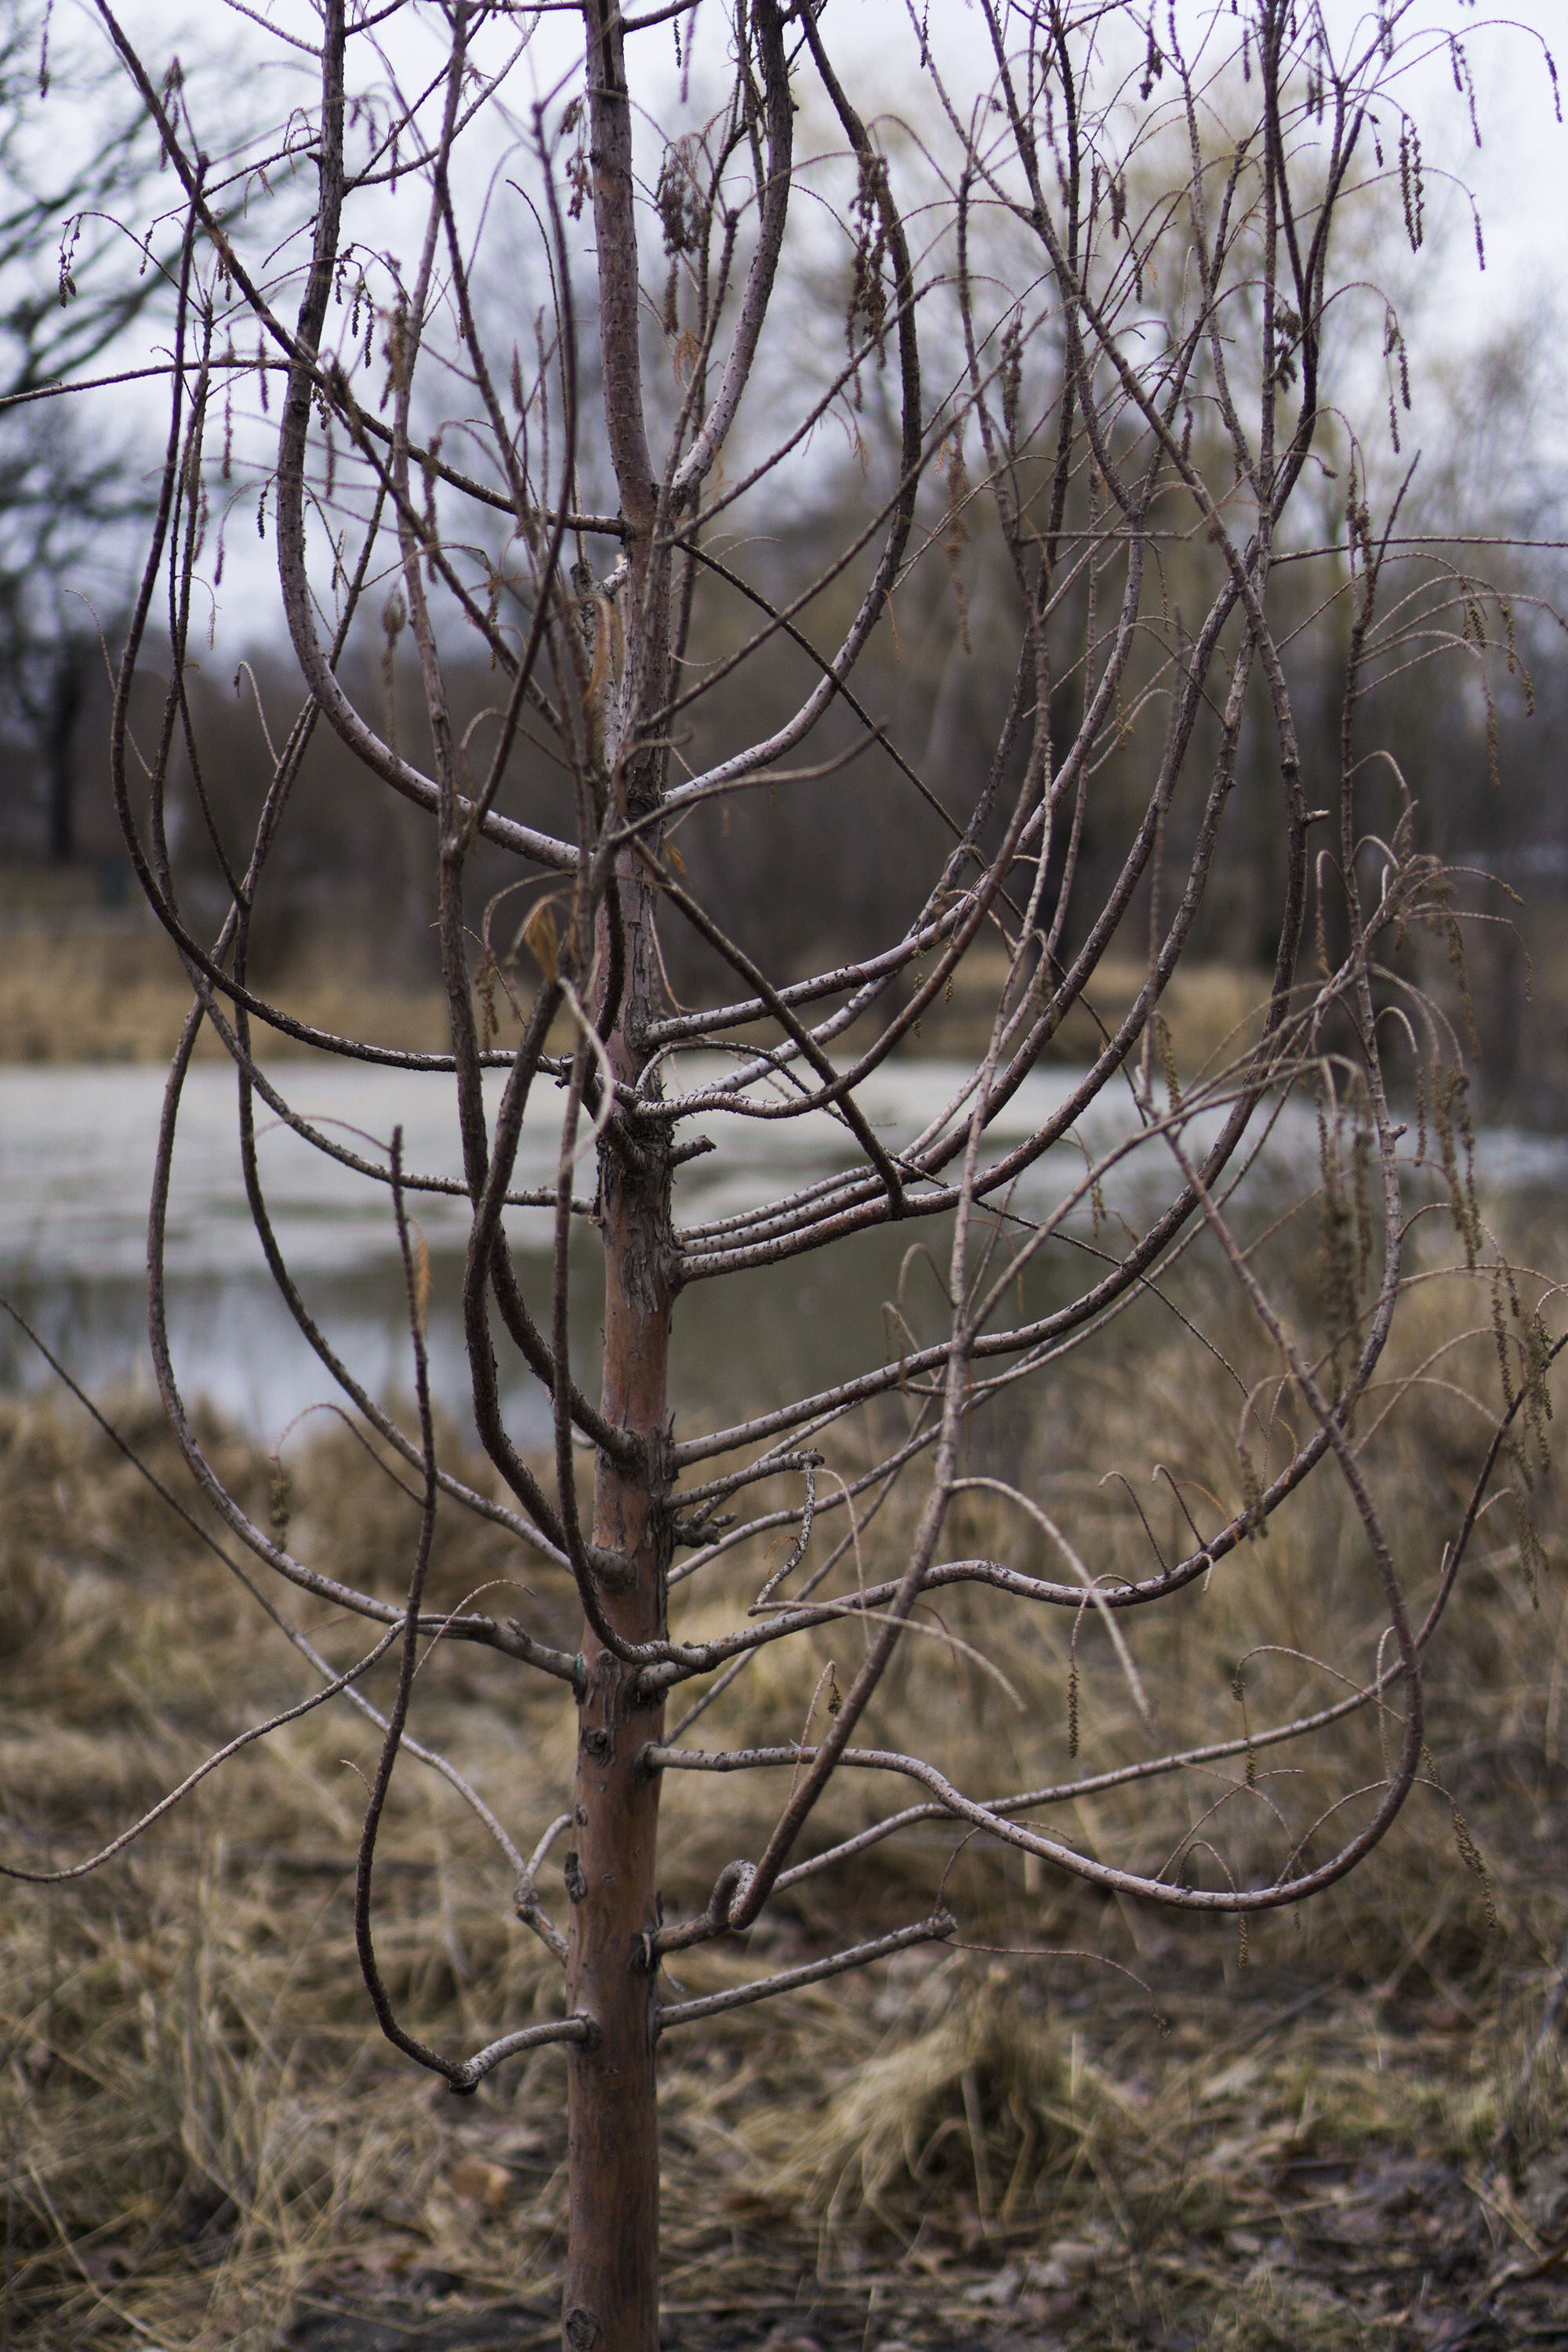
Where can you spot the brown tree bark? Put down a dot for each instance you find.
(611, 2296)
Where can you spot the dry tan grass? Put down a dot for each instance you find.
(200, 2134)
(70, 994)
(1210, 1009)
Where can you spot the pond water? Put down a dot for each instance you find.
(76, 1148)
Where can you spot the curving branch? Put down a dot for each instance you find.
(934, 1930)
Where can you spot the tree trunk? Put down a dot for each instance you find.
(611, 2301)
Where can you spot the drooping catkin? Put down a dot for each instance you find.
(1474, 1860)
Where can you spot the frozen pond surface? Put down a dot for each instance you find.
(76, 1148)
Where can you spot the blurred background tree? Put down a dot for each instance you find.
(72, 171)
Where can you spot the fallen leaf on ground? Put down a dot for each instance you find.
(484, 2183)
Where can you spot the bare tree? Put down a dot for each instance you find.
(1089, 303)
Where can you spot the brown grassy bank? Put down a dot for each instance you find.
(1349, 2134)
(118, 995)
(71, 992)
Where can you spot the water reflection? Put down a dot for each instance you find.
(76, 1148)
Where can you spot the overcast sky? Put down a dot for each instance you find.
(1519, 176)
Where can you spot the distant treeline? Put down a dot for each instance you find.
(1474, 738)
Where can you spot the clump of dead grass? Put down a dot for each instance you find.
(969, 2076)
